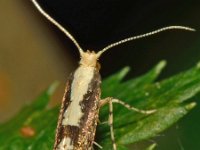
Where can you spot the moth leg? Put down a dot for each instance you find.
(99, 146)
(110, 101)
(100, 122)
(110, 119)
(106, 100)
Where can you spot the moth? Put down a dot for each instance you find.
(82, 98)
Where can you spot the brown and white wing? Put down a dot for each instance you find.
(64, 105)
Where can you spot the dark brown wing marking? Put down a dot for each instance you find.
(90, 107)
(65, 103)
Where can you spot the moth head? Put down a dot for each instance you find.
(89, 58)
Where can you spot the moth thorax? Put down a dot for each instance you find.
(89, 59)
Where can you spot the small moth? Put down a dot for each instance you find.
(82, 98)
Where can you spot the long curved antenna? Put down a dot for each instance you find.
(48, 17)
(142, 36)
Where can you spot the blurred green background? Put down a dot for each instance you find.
(33, 53)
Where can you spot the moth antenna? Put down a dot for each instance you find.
(142, 36)
(48, 17)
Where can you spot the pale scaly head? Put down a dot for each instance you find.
(89, 58)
